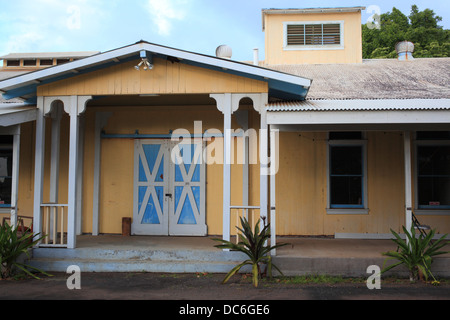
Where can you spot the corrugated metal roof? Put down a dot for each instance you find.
(360, 105)
(422, 78)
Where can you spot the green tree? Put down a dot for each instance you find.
(420, 27)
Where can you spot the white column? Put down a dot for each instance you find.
(73, 161)
(273, 156)
(408, 179)
(15, 175)
(224, 104)
(56, 114)
(226, 166)
(264, 165)
(39, 166)
(79, 205)
(55, 146)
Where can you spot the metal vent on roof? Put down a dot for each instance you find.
(224, 52)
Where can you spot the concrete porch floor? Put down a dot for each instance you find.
(302, 255)
(296, 246)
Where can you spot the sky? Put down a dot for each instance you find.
(193, 25)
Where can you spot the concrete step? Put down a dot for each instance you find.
(104, 260)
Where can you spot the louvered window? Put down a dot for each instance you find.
(313, 34)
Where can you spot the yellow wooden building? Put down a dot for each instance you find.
(314, 140)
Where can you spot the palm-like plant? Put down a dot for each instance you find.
(416, 253)
(253, 244)
(12, 245)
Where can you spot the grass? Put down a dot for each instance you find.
(317, 279)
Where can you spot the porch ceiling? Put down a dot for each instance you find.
(16, 113)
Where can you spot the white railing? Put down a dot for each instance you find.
(54, 225)
(250, 213)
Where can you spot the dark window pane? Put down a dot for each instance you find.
(433, 135)
(5, 190)
(5, 176)
(346, 160)
(433, 160)
(346, 135)
(346, 191)
(434, 191)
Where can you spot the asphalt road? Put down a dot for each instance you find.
(196, 292)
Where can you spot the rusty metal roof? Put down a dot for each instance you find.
(423, 78)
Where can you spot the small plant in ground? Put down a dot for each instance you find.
(253, 244)
(12, 245)
(416, 253)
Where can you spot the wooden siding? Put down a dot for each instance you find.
(165, 78)
(301, 183)
(274, 38)
(301, 188)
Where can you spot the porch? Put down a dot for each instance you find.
(302, 255)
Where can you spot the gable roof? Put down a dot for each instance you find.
(281, 85)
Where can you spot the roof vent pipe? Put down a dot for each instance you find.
(404, 50)
(256, 57)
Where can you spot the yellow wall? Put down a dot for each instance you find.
(301, 183)
(275, 54)
(165, 78)
(301, 188)
(117, 165)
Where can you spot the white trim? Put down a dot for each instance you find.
(79, 196)
(359, 117)
(39, 166)
(362, 142)
(273, 229)
(408, 179)
(288, 47)
(15, 175)
(73, 170)
(356, 211)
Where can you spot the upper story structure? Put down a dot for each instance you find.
(312, 36)
(32, 61)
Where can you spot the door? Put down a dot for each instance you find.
(187, 214)
(151, 184)
(169, 188)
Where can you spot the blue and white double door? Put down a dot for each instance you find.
(169, 188)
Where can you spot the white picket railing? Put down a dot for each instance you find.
(54, 225)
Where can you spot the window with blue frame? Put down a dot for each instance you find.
(433, 170)
(346, 170)
(6, 152)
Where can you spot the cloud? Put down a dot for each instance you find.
(42, 25)
(164, 12)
